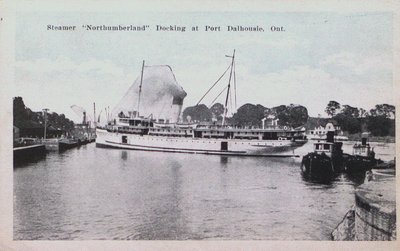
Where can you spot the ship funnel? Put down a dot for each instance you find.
(330, 135)
(364, 141)
(364, 138)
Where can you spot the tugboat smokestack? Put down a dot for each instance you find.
(330, 136)
(364, 141)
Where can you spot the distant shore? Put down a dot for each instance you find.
(379, 139)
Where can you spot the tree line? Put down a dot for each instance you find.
(380, 121)
(248, 114)
(26, 118)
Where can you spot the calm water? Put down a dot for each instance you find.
(96, 193)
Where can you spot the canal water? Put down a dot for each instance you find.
(91, 193)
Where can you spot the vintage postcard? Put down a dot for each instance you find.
(199, 125)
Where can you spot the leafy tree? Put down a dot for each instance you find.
(362, 112)
(249, 115)
(19, 111)
(25, 117)
(292, 115)
(348, 119)
(332, 108)
(197, 113)
(380, 125)
(350, 111)
(383, 110)
(348, 123)
(298, 115)
(269, 111)
(218, 111)
(379, 122)
(59, 121)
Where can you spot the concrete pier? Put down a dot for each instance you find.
(375, 210)
(373, 217)
(27, 153)
(59, 144)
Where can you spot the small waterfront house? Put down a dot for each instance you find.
(322, 128)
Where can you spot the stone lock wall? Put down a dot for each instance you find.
(375, 211)
(373, 216)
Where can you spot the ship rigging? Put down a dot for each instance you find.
(131, 130)
(232, 78)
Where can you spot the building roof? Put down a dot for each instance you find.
(313, 122)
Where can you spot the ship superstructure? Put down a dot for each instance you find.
(153, 123)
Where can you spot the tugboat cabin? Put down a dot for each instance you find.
(363, 149)
(324, 148)
(329, 147)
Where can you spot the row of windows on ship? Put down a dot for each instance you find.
(125, 140)
(188, 132)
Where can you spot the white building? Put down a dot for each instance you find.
(320, 131)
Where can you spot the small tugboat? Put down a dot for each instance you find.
(84, 132)
(326, 160)
(65, 144)
(363, 157)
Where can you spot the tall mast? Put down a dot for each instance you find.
(94, 115)
(227, 93)
(45, 121)
(140, 90)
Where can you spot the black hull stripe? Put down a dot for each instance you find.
(173, 148)
(226, 153)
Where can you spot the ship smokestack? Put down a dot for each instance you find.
(364, 138)
(364, 141)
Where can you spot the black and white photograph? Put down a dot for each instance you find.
(202, 125)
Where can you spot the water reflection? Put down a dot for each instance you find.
(124, 155)
(96, 193)
(224, 160)
(165, 217)
(323, 180)
(28, 160)
(356, 178)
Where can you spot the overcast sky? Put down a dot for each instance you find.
(320, 57)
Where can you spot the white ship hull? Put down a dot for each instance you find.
(237, 147)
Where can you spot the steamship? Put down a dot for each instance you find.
(157, 90)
